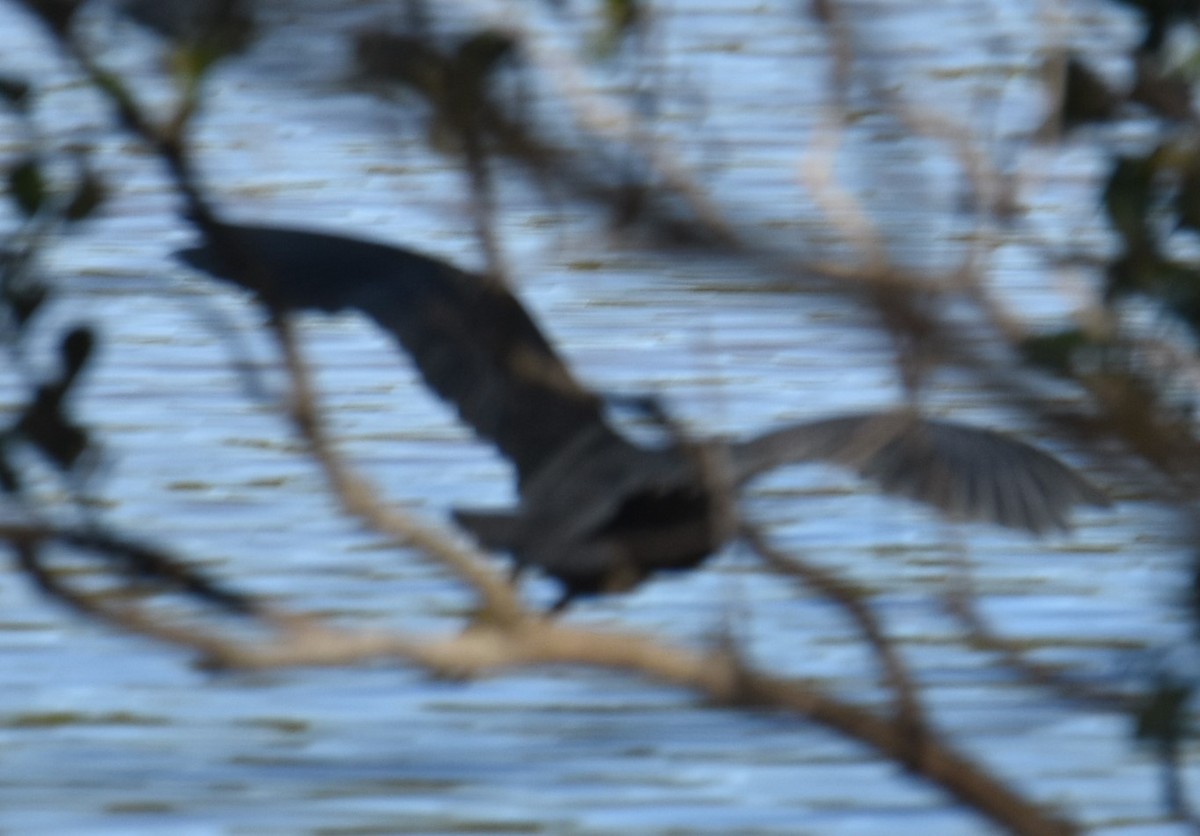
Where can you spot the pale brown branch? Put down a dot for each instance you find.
(603, 115)
(358, 497)
(719, 676)
(939, 762)
(296, 640)
(841, 208)
(490, 649)
(909, 712)
(355, 494)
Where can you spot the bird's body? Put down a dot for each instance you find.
(598, 512)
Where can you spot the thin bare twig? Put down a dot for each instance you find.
(512, 638)
(354, 493)
(962, 602)
(910, 714)
(358, 497)
(489, 648)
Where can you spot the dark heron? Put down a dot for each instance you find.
(598, 512)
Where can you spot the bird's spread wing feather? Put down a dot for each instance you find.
(471, 339)
(967, 472)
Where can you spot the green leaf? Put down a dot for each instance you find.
(1055, 351)
(24, 299)
(1162, 716)
(27, 186)
(1128, 198)
(10, 483)
(15, 91)
(89, 194)
(1187, 200)
(1086, 96)
(57, 14)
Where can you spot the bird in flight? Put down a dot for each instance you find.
(597, 511)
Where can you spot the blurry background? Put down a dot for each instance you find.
(700, 201)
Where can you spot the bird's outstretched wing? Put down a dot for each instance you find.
(472, 340)
(969, 473)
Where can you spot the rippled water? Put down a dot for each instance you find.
(102, 732)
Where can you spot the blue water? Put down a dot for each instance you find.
(106, 733)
